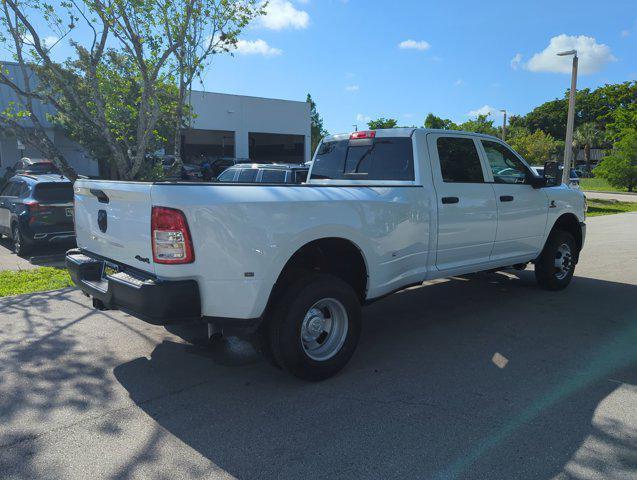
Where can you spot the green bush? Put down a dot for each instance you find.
(620, 168)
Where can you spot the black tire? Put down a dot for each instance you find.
(290, 314)
(20, 246)
(560, 246)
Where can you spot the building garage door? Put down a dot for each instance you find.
(274, 147)
(200, 144)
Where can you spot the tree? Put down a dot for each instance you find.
(620, 168)
(432, 121)
(550, 117)
(317, 128)
(382, 122)
(119, 85)
(587, 136)
(152, 35)
(537, 147)
(480, 124)
(214, 28)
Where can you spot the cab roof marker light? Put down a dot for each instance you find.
(362, 134)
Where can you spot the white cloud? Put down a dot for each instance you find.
(593, 56)
(516, 61)
(414, 45)
(257, 47)
(458, 82)
(47, 42)
(363, 118)
(625, 33)
(485, 110)
(352, 88)
(280, 14)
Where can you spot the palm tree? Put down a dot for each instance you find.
(587, 136)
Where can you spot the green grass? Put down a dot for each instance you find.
(598, 184)
(29, 281)
(608, 207)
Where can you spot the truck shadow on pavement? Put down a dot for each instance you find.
(482, 376)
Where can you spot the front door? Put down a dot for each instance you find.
(467, 212)
(522, 209)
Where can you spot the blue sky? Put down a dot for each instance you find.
(362, 59)
(457, 57)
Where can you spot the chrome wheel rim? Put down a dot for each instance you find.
(324, 329)
(563, 261)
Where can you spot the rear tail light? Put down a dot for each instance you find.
(170, 236)
(36, 210)
(362, 134)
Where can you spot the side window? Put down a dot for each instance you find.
(248, 175)
(9, 190)
(300, 176)
(459, 160)
(227, 176)
(22, 190)
(273, 176)
(505, 165)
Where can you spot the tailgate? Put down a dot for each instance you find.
(112, 219)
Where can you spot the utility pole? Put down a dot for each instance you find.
(504, 124)
(568, 146)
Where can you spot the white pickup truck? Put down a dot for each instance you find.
(381, 211)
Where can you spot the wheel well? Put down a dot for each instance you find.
(569, 223)
(336, 256)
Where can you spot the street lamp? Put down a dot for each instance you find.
(568, 146)
(504, 124)
(355, 128)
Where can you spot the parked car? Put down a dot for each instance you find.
(36, 210)
(34, 166)
(189, 171)
(574, 181)
(211, 168)
(381, 211)
(265, 173)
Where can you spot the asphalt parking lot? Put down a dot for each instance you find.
(476, 377)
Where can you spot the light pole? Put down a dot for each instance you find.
(568, 146)
(504, 125)
(355, 128)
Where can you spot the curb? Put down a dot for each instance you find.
(609, 193)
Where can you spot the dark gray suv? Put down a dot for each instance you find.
(37, 209)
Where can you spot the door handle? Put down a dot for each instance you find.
(450, 199)
(506, 198)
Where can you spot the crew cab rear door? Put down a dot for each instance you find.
(112, 219)
(467, 212)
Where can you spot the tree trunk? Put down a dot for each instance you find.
(587, 157)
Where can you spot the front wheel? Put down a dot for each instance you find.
(555, 267)
(314, 327)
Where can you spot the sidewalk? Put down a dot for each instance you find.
(622, 197)
(43, 257)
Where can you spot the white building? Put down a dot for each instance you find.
(260, 129)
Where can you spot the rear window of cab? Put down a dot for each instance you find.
(380, 158)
